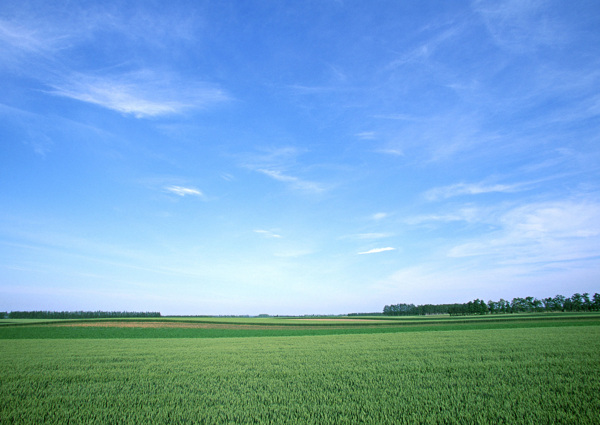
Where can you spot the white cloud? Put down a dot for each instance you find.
(63, 26)
(396, 117)
(557, 219)
(444, 283)
(439, 136)
(267, 233)
(379, 216)
(366, 236)
(295, 182)
(293, 253)
(466, 214)
(22, 37)
(184, 191)
(534, 233)
(373, 235)
(276, 163)
(142, 94)
(469, 189)
(37, 46)
(539, 233)
(391, 151)
(376, 250)
(301, 89)
(278, 175)
(367, 135)
(519, 25)
(272, 158)
(423, 52)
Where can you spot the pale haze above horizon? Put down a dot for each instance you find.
(314, 157)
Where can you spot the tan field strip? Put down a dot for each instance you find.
(126, 324)
(341, 320)
(165, 325)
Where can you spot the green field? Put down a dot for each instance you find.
(517, 370)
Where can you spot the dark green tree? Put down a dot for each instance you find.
(577, 302)
(587, 303)
(559, 302)
(596, 302)
(548, 304)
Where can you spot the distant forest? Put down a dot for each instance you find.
(577, 302)
(75, 314)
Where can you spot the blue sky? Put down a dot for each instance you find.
(246, 157)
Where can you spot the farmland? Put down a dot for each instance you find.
(516, 369)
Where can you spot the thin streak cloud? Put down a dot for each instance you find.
(366, 135)
(295, 182)
(141, 94)
(468, 189)
(377, 250)
(19, 37)
(267, 233)
(184, 191)
(373, 235)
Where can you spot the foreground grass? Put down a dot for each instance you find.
(511, 376)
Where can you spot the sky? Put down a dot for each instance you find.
(313, 157)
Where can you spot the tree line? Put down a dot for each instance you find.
(417, 310)
(577, 302)
(76, 314)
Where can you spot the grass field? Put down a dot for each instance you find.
(520, 370)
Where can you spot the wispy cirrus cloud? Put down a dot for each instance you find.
(373, 235)
(366, 236)
(18, 37)
(282, 164)
(377, 250)
(379, 216)
(293, 253)
(142, 94)
(521, 25)
(184, 191)
(466, 214)
(40, 44)
(429, 46)
(434, 136)
(538, 233)
(534, 246)
(303, 89)
(295, 182)
(459, 189)
(391, 151)
(366, 135)
(267, 233)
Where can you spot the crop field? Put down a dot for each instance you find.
(513, 370)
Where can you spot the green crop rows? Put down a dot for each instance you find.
(534, 375)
